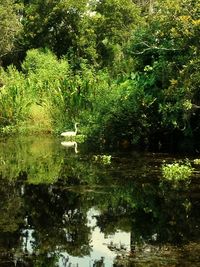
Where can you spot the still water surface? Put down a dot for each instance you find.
(64, 206)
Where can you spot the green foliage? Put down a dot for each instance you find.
(14, 99)
(123, 114)
(96, 30)
(47, 78)
(177, 171)
(197, 161)
(166, 49)
(51, 94)
(9, 25)
(32, 95)
(116, 21)
(53, 24)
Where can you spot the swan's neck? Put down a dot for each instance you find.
(76, 129)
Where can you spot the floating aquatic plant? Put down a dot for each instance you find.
(197, 161)
(105, 159)
(177, 171)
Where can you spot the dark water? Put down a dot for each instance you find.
(62, 207)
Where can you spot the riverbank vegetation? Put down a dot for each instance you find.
(127, 71)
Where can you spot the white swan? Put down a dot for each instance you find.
(68, 134)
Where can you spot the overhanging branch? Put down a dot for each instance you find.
(149, 48)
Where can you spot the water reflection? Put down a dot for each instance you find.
(70, 144)
(59, 208)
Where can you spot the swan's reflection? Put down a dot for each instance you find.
(69, 144)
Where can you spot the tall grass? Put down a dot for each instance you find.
(46, 94)
(15, 102)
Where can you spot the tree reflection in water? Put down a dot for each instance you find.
(58, 209)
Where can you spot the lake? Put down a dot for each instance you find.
(64, 205)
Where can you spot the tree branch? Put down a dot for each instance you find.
(152, 48)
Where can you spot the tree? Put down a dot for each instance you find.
(116, 21)
(53, 24)
(9, 25)
(166, 52)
